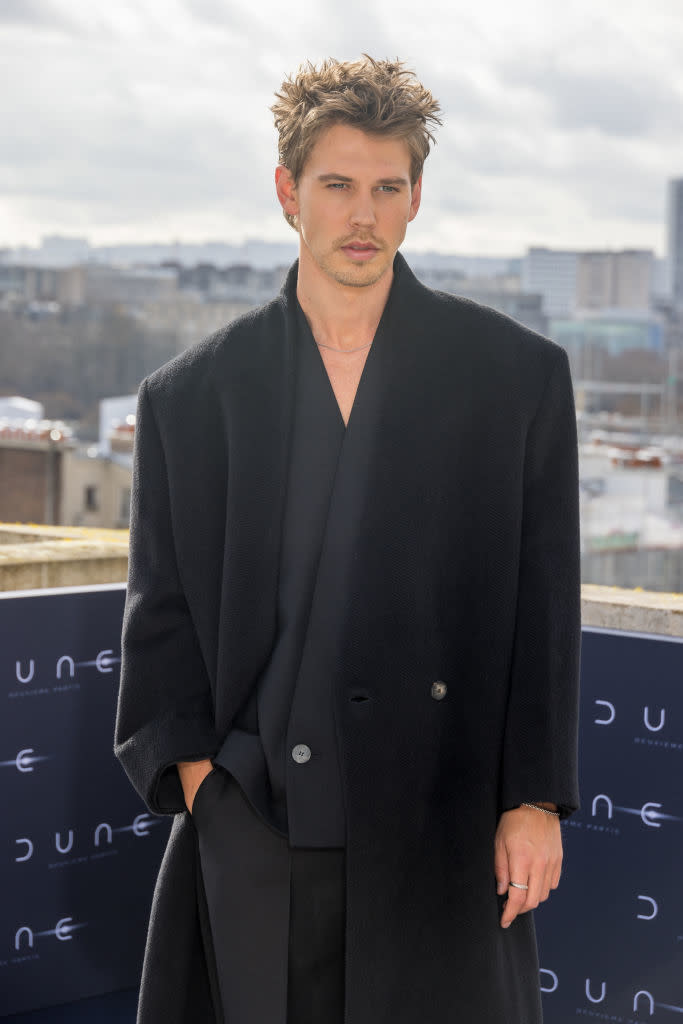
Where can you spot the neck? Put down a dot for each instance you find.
(340, 316)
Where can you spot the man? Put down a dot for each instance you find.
(351, 638)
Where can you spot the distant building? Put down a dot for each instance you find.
(96, 488)
(660, 279)
(190, 318)
(97, 479)
(31, 471)
(48, 478)
(129, 287)
(552, 273)
(614, 333)
(64, 250)
(589, 338)
(675, 240)
(422, 263)
(60, 251)
(240, 282)
(573, 281)
(523, 307)
(501, 291)
(614, 280)
(17, 409)
(64, 286)
(114, 412)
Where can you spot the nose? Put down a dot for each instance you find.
(362, 213)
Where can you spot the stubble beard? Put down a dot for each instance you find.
(359, 275)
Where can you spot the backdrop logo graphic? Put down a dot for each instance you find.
(65, 666)
(653, 907)
(25, 937)
(649, 1001)
(554, 980)
(611, 713)
(25, 760)
(648, 723)
(589, 994)
(596, 803)
(649, 717)
(29, 850)
(597, 992)
(650, 813)
(102, 835)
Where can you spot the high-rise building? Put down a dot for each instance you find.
(573, 281)
(675, 240)
(614, 280)
(552, 274)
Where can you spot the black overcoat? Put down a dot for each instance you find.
(465, 570)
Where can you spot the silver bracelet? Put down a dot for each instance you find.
(545, 810)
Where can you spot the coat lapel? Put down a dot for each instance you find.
(257, 412)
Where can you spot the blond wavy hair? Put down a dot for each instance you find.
(381, 97)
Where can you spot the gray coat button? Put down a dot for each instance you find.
(439, 690)
(301, 753)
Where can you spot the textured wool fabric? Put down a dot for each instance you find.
(465, 571)
(290, 702)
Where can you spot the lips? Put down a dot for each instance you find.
(359, 251)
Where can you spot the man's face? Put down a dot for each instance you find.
(353, 203)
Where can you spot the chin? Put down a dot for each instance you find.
(359, 276)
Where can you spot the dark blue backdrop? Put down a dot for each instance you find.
(611, 936)
(80, 851)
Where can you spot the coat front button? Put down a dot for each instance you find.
(439, 690)
(301, 753)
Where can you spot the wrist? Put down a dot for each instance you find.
(543, 806)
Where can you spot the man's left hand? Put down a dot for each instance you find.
(528, 850)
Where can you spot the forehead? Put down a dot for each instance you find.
(343, 149)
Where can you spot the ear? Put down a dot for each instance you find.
(415, 197)
(286, 190)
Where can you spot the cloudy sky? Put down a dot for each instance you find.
(148, 120)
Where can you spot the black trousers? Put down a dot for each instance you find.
(276, 914)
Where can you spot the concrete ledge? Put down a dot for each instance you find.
(638, 611)
(33, 557)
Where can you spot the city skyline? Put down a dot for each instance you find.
(150, 123)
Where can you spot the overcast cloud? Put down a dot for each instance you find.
(149, 120)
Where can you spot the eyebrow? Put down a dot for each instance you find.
(380, 181)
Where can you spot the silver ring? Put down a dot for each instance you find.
(517, 885)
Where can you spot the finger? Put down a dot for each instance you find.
(501, 869)
(545, 888)
(514, 905)
(548, 886)
(537, 885)
(557, 864)
(518, 870)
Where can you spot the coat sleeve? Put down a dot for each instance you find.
(541, 729)
(165, 707)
